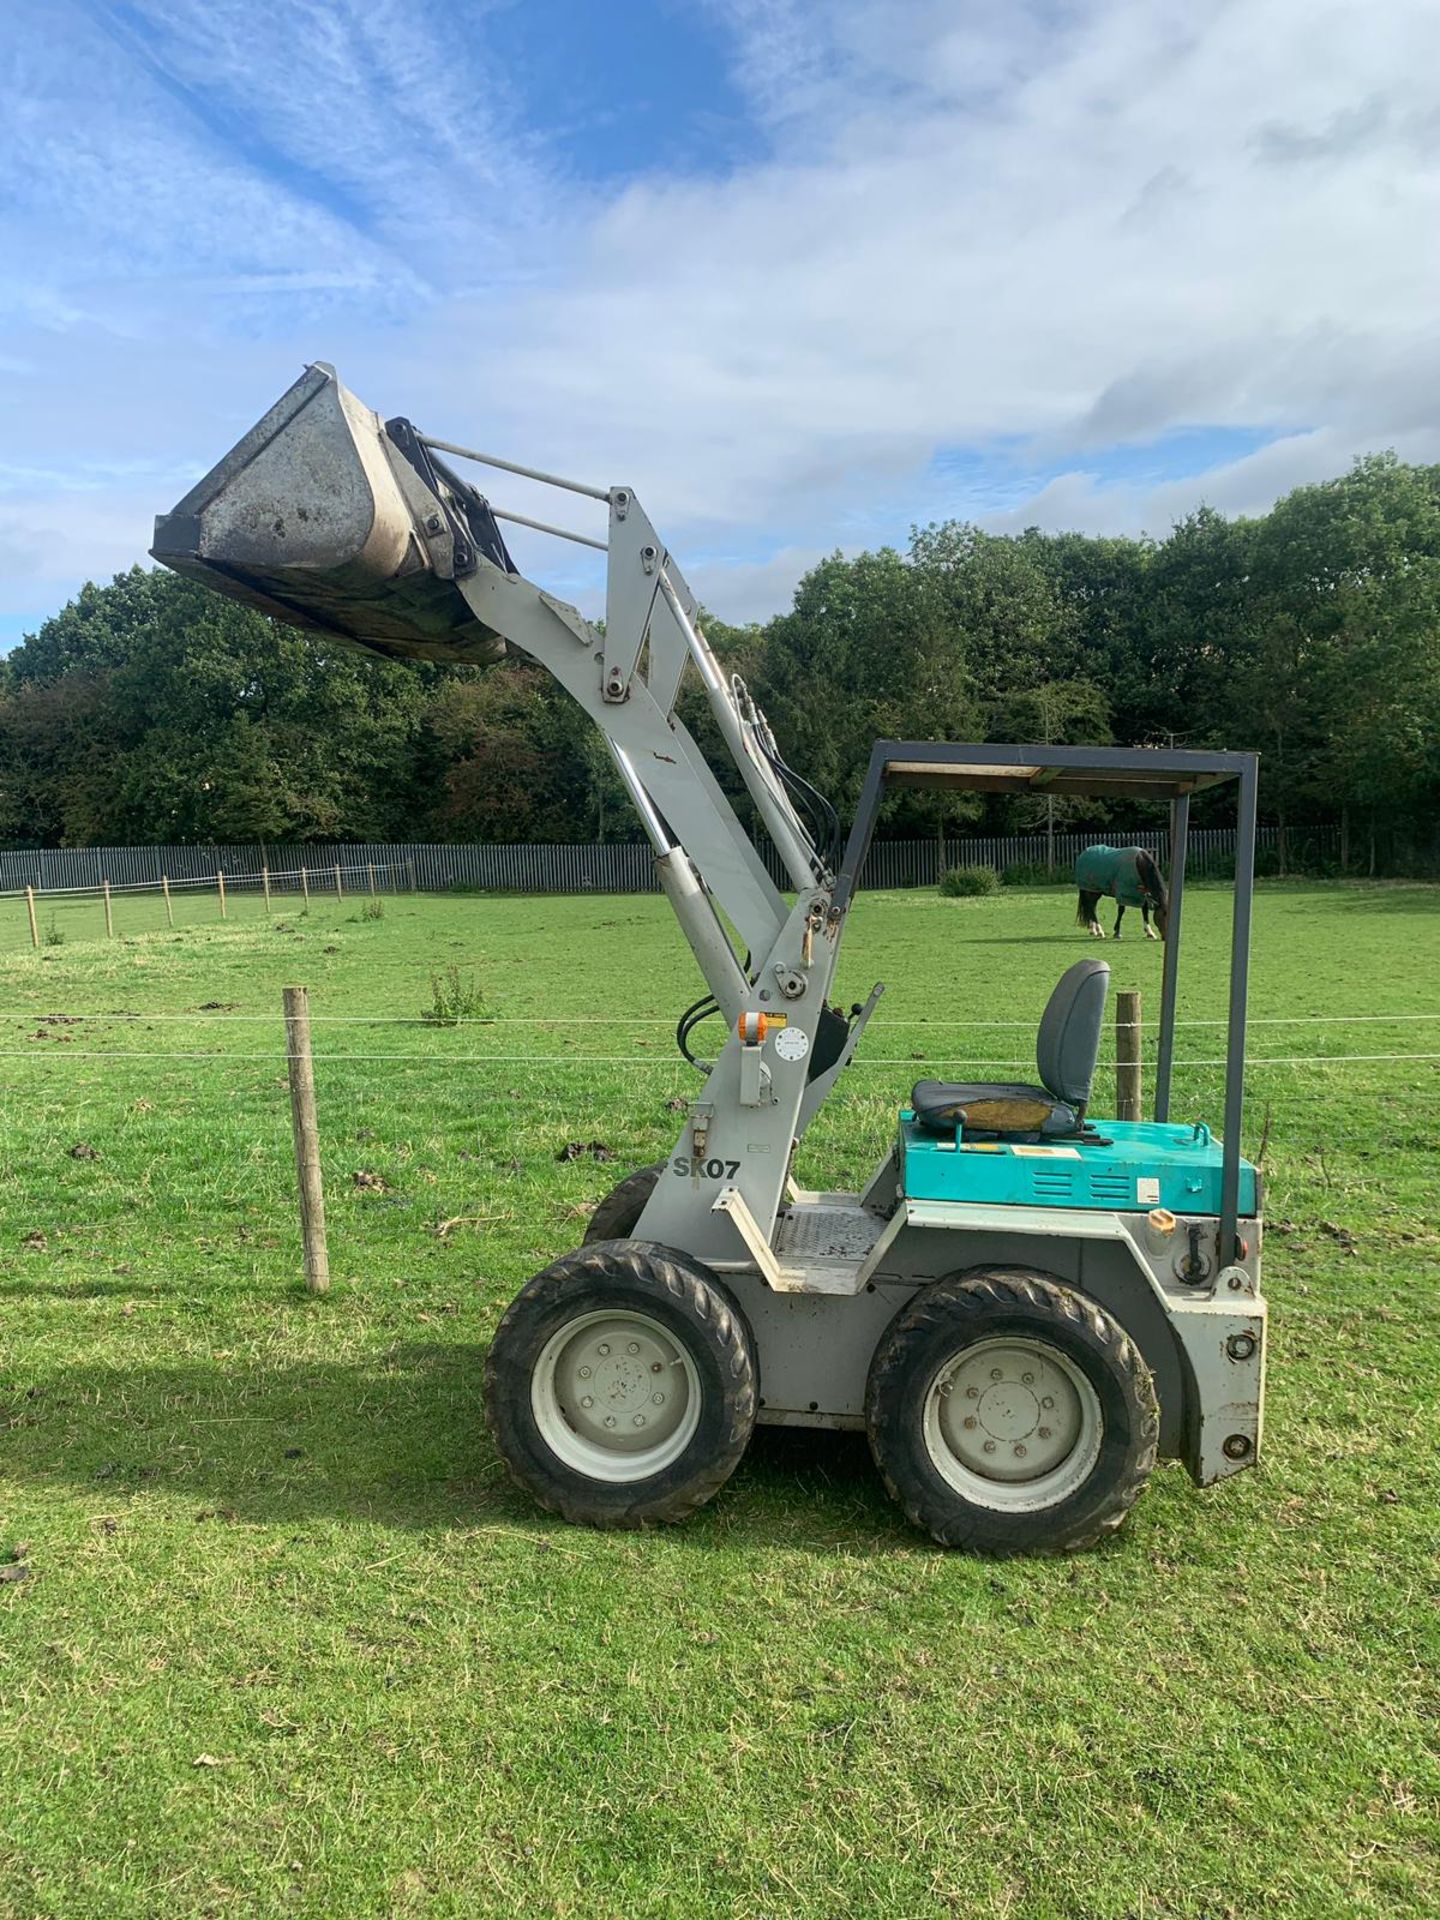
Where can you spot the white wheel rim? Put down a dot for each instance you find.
(615, 1396)
(1012, 1424)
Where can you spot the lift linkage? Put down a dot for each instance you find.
(400, 556)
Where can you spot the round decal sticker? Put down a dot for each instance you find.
(792, 1043)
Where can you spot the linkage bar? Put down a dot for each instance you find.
(544, 526)
(511, 466)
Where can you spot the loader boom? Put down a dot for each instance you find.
(329, 518)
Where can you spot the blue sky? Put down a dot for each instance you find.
(804, 272)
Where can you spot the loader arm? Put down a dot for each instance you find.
(334, 521)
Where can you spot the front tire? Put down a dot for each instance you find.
(1010, 1414)
(621, 1385)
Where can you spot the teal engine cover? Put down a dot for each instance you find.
(1131, 1167)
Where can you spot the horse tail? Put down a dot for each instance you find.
(1085, 908)
(1151, 878)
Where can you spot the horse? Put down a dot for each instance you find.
(1133, 879)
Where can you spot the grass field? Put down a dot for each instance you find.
(291, 1644)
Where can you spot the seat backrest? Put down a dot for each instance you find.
(1068, 1043)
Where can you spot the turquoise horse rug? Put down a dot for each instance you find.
(1131, 878)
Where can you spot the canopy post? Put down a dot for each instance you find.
(1235, 1039)
(1164, 1059)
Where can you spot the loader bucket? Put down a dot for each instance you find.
(325, 518)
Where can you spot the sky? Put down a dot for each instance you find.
(804, 273)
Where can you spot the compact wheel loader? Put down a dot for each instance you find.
(1028, 1304)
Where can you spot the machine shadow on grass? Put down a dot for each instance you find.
(398, 1439)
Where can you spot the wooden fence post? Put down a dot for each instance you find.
(265, 882)
(1128, 1102)
(169, 910)
(370, 869)
(305, 886)
(220, 882)
(410, 870)
(339, 890)
(109, 922)
(30, 909)
(307, 1139)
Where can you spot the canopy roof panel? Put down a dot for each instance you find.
(1137, 773)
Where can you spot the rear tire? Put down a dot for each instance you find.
(621, 1385)
(618, 1214)
(1010, 1414)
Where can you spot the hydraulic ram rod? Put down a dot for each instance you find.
(801, 860)
(691, 904)
(701, 927)
(649, 819)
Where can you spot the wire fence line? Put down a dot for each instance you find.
(648, 1060)
(201, 1017)
(611, 867)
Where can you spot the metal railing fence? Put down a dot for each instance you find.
(616, 867)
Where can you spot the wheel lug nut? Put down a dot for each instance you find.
(996, 1374)
(639, 1420)
(587, 1400)
(972, 1393)
(603, 1348)
(634, 1347)
(1044, 1432)
(1047, 1401)
(609, 1419)
(657, 1399)
(969, 1420)
(584, 1373)
(1028, 1378)
(655, 1367)
(1019, 1453)
(989, 1446)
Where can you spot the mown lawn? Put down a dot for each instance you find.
(291, 1644)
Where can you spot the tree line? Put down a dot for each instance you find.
(151, 710)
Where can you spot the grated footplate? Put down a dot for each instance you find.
(807, 1231)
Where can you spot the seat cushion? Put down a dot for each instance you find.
(990, 1109)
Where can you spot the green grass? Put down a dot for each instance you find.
(291, 1643)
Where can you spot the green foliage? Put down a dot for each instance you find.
(453, 997)
(151, 710)
(969, 883)
(373, 909)
(154, 710)
(1033, 873)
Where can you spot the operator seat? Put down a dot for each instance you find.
(1066, 1049)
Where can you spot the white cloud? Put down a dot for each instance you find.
(1002, 225)
(1106, 252)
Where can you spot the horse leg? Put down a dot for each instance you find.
(1119, 916)
(1089, 913)
(1150, 933)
